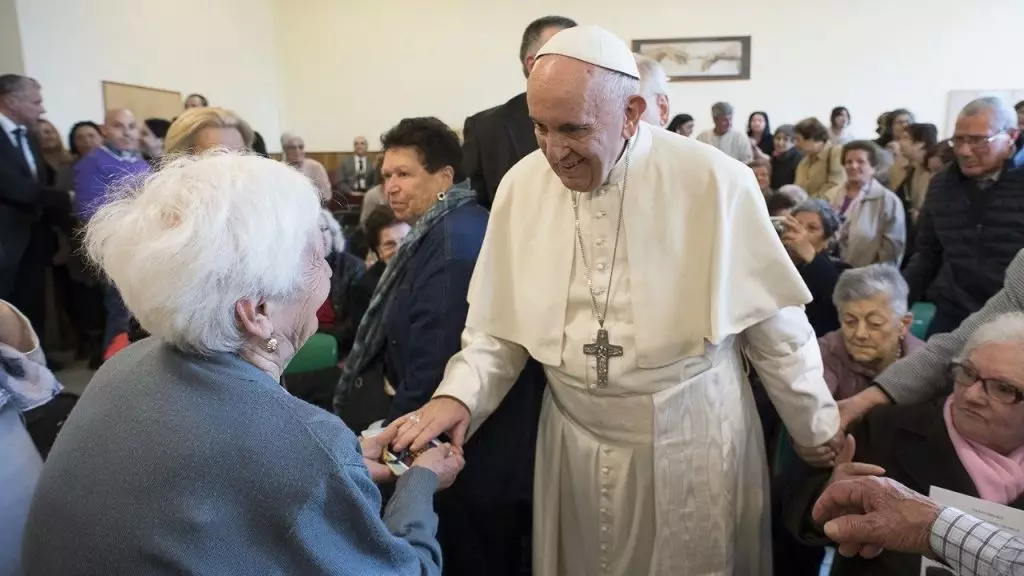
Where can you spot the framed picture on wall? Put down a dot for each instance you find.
(700, 59)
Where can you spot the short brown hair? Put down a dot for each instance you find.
(811, 129)
(867, 146)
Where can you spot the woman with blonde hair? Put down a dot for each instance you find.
(192, 453)
(203, 128)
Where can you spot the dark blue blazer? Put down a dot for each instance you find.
(486, 516)
(425, 321)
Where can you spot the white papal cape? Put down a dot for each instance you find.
(663, 471)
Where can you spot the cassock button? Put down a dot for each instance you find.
(604, 565)
(599, 291)
(601, 266)
(599, 241)
(601, 213)
(605, 470)
(604, 491)
(604, 547)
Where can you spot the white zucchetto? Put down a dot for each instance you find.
(593, 45)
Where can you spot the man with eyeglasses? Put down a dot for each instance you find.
(972, 221)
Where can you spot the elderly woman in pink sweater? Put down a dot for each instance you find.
(874, 328)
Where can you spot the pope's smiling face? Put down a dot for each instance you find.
(582, 116)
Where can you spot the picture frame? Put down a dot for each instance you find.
(705, 59)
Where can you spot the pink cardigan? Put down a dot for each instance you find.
(844, 376)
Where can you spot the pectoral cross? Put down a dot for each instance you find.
(602, 349)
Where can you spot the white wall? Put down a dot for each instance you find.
(224, 49)
(10, 39)
(356, 67)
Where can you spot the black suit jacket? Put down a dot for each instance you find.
(20, 207)
(912, 444)
(495, 140)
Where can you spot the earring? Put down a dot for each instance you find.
(272, 345)
(441, 196)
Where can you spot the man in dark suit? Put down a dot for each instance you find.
(23, 256)
(497, 138)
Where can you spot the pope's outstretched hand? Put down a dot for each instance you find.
(440, 415)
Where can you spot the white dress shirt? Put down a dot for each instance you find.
(19, 140)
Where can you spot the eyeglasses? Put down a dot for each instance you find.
(975, 141)
(966, 375)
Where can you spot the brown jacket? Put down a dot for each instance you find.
(819, 173)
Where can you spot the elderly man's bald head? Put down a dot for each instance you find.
(583, 116)
(120, 130)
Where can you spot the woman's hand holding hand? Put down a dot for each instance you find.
(373, 448)
(445, 460)
(797, 241)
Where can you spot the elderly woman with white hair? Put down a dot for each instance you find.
(874, 328)
(970, 441)
(185, 454)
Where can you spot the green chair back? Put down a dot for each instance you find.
(319, 353)
(923, 313)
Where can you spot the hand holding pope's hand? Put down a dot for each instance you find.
(825, 455)
(442, 414)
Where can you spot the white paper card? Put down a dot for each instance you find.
(1005, 517)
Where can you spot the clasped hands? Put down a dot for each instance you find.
(414, 432)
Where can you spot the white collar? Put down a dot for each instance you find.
(9, 125)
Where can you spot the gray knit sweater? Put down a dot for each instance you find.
(175, 464)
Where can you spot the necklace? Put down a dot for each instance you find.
(602, 349)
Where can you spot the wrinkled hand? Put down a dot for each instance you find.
(867, 514)
(797, 241)
(847, 469)
(823, 456)
(445, 460)
(373, 448)
(442, 414)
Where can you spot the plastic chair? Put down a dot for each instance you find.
(923, 313)
(319, 353)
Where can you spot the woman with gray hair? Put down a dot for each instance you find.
(874, 332)
(185, 454)
(970, 441)
(807, 233)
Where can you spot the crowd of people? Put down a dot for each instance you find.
(529, 379)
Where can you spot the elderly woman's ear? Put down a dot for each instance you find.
(447, 175)
(905, 323)
(254, 320)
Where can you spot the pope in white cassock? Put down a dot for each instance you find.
(640, 267)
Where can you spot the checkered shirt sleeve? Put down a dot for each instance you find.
(975, 548)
